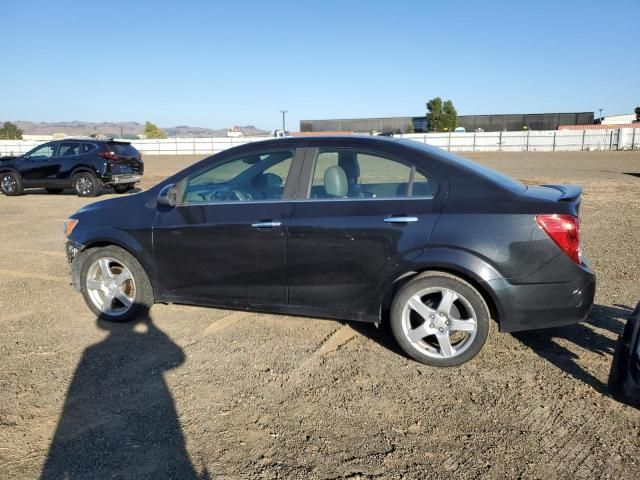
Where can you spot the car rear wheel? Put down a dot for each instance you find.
(114, 284)
(86, 184)
(440, 320)
(123, 188)
(10, 184)
(54, 190)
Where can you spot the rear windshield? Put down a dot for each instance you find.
(124, 149)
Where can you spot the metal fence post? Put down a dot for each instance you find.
(554, 141)
(474, 141)
(583, 134)
(449, 144)
(500, 141)
(610, 140)
(633, 140)
(528, 135)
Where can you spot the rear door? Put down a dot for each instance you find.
(67, 157)
(361, 214)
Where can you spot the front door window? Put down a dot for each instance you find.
(255, 177)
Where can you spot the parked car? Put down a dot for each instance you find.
(624, 378)
(84, 165)
(351, 228)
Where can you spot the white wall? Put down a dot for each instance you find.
(536, 141)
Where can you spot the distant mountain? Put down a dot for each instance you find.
(78, 128)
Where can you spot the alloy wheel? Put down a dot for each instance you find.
(439, 322)
(8, 183)
(84, 185)
(111, 286)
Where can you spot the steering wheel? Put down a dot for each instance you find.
(226, 195)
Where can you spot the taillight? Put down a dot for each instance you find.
(564, 230)
(108, 155)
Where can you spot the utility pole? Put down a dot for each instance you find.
(283, 112)
(600, 115)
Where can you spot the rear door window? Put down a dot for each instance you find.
(68, 149)
(346, 173)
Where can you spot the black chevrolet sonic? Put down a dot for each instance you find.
(354, 228)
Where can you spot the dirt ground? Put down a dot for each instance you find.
(195, 392)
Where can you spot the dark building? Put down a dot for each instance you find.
(471, 123)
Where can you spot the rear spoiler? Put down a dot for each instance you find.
(569, 192)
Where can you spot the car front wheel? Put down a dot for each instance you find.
(86, 184)
(114, 284)
(440, 320)
(10, 184)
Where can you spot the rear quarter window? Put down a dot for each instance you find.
(88, 147)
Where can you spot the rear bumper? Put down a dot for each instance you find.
(543, 305)
(122, 179)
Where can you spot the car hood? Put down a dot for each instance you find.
(7, 159)
(112, 203)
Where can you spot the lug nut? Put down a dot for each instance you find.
(431, 325)
(441, 314)
(448, 322)
(432, 316)
(441, 330)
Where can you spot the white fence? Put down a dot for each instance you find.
(529, 141)
(533, 141)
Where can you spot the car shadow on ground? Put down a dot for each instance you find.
(72, 193)
(543, 342)
(119, 419)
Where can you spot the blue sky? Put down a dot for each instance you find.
(217, 64)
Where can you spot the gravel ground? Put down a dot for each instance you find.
(194, 392)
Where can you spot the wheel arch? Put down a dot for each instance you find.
(464, 269)
(130, 245)
(83, 169)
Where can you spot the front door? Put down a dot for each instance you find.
(225, 242)
(365, 214)
(38, 165)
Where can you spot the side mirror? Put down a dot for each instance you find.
(168, 196)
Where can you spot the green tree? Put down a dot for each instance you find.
(434, 115)
(441, 117)
(9, 131)
(152, 131)
(637, 110)
(450, 116)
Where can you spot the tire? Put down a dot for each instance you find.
(11, 184)
(453, 325)
(122, 188)
(105, 294)
(54, 190)
(86, 184)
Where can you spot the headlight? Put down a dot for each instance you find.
(69, 225)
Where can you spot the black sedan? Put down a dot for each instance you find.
(354, 228)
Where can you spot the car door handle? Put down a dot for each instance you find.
(401, 219)
(266, 224)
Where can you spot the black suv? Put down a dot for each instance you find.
(82, 164)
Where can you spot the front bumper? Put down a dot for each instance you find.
(74, 252)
